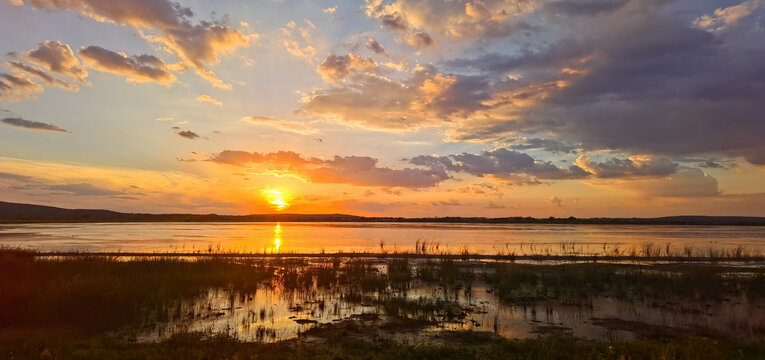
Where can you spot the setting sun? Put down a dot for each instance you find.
(276, 199)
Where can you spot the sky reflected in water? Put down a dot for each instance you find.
(376, 237)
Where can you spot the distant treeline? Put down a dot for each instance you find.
(28, 213)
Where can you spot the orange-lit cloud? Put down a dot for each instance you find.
(197, 45)
(354, 170)
(58, 58)
(336, 68)
(210, 99)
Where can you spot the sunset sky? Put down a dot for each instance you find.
(386, 107)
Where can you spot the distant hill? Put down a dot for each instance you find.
(28, 213)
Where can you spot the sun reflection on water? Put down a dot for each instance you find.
(277, 237)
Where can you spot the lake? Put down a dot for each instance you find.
(375, 237)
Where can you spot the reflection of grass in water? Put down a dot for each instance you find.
(425, 309)
(468, 346)
(96, 293)
(524, 283)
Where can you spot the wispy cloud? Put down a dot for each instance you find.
(32, 125)
(284, 125)
(210, 99)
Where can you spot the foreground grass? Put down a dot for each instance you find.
(70, 307)
(197, 346)
(85, 293)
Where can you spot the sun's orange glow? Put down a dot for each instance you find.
(276, 198)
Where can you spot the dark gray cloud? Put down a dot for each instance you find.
(188, 134)
(376, 47)
(32, 125)
(16, 177)
(641, 79)
(83, 189)
(141, 68)
(584, 7)
(394, 21)
(501, 163)
(522, 169)
(551, 145)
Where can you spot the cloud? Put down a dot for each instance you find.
(141, 68)
(336, 68)
(584, 7)
(376, 47)
(210, 99)
(41, 74)
(51, 56)
(683, 184)
(32, 125)
(501, 163)
(420, 40)
(353, 170)
(555, 201)
(723, 18)
(167, 23)
(15, 87)
(453, 20)
(637, 79)
(392, 191)
(299, 46)
(330, 10)
(16, 177)
(450, 202)
(83, 189)
(493, 205)
(284, 125)
(424, 98)
(634, 166)
(58, 58)
(188, 134)
(482, 189)
(551, 145)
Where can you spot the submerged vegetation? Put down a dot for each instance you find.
(90, 306)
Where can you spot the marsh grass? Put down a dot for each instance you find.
(75, 300)
(104, 293)
(520, 283)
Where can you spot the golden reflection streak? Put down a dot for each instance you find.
(277, 237)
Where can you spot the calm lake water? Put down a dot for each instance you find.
(359, 237)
